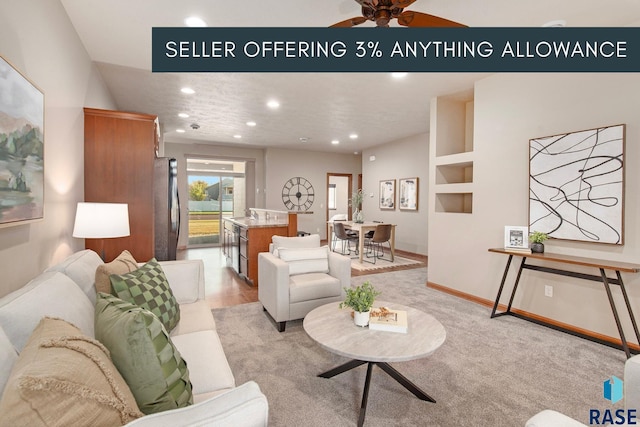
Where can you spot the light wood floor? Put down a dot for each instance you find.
(224, 288)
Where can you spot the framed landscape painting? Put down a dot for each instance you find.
(576, 185)
(21, 148)
(387, 194)
(408, 194)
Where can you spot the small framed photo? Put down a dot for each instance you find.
(516, 237)
(387, 194)
(408, 194)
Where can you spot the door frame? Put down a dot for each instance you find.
(349, 194)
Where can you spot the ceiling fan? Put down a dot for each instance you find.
(383, 11)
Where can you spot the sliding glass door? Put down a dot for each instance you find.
(212, 197)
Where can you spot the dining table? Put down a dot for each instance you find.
(363, 228)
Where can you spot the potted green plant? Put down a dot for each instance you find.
(537, 238)
(360, 299)
(356, 204)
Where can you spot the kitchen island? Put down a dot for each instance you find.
(245, 237)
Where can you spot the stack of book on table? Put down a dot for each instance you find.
(384, 319)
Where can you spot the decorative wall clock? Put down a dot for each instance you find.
(298, 194)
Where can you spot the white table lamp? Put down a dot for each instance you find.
(101, 221)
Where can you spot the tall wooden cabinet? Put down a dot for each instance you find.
(119, 153)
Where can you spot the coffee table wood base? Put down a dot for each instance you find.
(392, 372)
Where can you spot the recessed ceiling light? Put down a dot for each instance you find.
(355, 153)
(187, 90)
(273, 104)
(335, 142)
(251, 123)
(183, 115)
(304, 139)
(194, 21)
(558, 23)
(237, 136)
(399, 75)
(180, 130)
(353, 136)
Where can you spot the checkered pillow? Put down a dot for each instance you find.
(147, 287)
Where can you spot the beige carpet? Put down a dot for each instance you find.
(382, 263)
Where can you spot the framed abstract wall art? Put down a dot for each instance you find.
(387, 194)
(408, 194)
(576, 185)
(21, 148)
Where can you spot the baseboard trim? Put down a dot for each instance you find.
(536, 318)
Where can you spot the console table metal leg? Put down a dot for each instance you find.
(515, 284)
(607, 287)
(504, 279)
(626, 300)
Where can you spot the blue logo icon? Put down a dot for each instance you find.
(612, 389)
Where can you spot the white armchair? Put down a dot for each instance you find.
(299, 275)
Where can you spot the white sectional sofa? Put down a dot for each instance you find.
(66, 291)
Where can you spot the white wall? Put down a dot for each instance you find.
(282, 164)
(404, 158)
(510, 109)
(342, 195)
(38, 39)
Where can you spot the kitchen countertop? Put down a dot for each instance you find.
(247, 222)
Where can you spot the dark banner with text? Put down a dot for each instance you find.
(396, 49)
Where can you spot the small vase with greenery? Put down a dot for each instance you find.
(356, 204)
(537, 238)
(360, 299)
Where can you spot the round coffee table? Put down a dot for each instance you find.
(333, 329)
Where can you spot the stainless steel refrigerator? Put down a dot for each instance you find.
(167, 208)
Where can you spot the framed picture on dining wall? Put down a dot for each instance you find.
(576, 185)
(387, 194)
(408, 194)
(21, 148)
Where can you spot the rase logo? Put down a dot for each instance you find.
(613, 391)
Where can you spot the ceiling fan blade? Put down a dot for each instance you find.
(352, 22)
(418, 19)
(402, 3)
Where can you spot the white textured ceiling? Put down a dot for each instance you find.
(318, 106)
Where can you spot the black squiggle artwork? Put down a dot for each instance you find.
(576, 185)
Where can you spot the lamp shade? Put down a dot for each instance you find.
(101, 220)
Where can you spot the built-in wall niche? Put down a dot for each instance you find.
(454, 202)
(458, 173)
(454, 126)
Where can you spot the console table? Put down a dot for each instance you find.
(601, 265)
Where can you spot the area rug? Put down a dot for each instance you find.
(489, 372)
(383, 263)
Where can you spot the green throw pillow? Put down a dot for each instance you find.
(142, 351)
(148, 288)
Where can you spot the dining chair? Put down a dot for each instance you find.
(346, 238)
(374, 245)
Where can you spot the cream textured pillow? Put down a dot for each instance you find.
(124, 263)
(305, 260)
(64, 378)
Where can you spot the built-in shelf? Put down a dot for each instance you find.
(453, 154)
(457, 173)
(454, 202)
